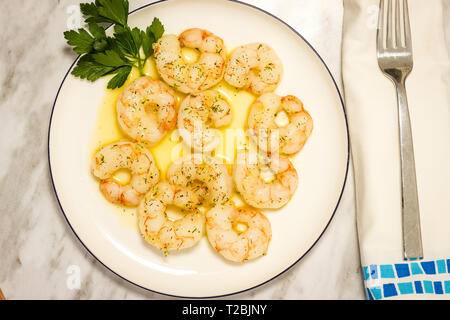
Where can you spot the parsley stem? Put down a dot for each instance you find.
(141, 67)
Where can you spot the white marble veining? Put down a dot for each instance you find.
(38, 250)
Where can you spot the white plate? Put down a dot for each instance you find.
(200, 272)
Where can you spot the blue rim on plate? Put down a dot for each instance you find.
(314, 243)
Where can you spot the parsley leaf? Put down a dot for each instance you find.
(156, 28)
(89, 9)
(125, 42)
(81, 40)
(119, 79)
(147, 43)
(108, 11)
(97, 31)
(117, 55)
(89, 69)
(110, 58)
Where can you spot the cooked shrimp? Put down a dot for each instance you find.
(222, 228)
(265, 183)
(195, 77)
(279, 123)
(198, 117)
(131, 156)
(256, 67)
(162, 232)
(209, 177)
(146, 110)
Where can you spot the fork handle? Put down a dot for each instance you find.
(412, 239)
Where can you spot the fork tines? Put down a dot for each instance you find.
(400, 36)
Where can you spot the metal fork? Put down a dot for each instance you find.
(395, 59)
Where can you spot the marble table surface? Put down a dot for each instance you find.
(38, 250)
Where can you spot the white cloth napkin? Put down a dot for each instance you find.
(372, 114)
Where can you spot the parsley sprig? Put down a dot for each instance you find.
(102, 55)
